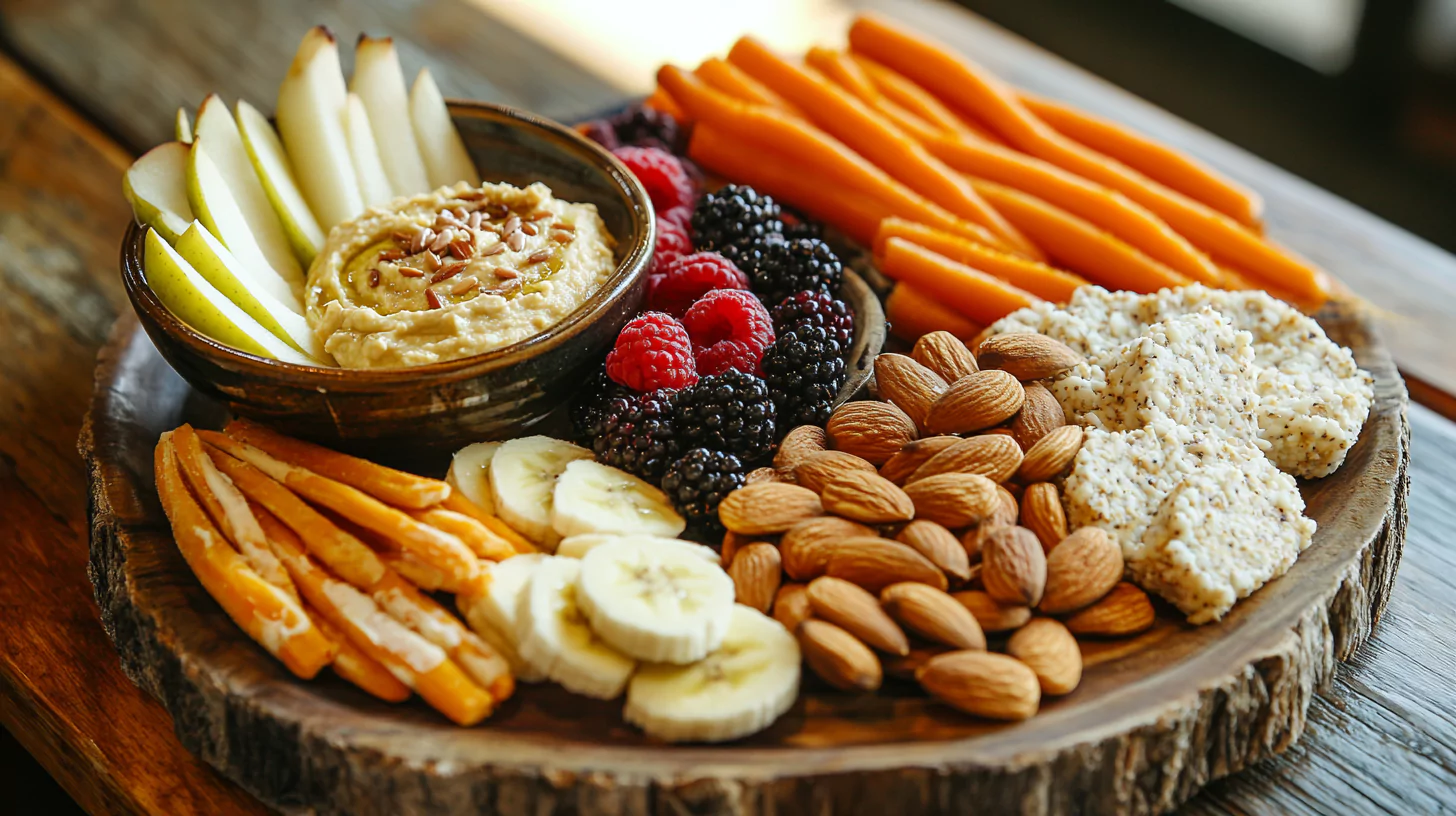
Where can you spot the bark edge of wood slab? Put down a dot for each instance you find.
(1154, 721)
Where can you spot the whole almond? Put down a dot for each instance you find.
(875, 563)
(1042, 514)
(769, 507)
(945, 354)
(1013, 566)
(1005, 515)
(1006, 507)
(1049, 649)
(1040, 414)
(913, 455)
(993, 615)
(908, 384)
(806, 546)
(1126, 610)
(857, 612)
(818, 468)
(867, 497)
(791, 606)
(731, 543)
(756, 572)
(872, 430)
(1084, 567)
(1026, 356)
(933, 615)
(938, 545)
(797, 444)
(763, 474)
(1051, 454)
(953, 499)
(982, 683)
(975, 401)
(904, 667)
(996, 457)
(841, 659)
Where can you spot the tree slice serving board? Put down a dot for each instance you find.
(1154, 720)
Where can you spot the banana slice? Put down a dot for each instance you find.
(523, 476)
(738, 689)
(578, 546)
(554, 638)
(470, 474)
(594, 498)
(653, 601)
(492, 614)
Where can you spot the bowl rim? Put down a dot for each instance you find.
(632, 267)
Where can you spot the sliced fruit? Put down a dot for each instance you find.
(379, 82)
(470, 474)
(492, 614)
(373, 183)
(156, 187)
(738, 689)
(594, 498)
(554, 637)
(200, 305)
(655, 602)
(275, 173)
(578, 546)
(183, 127)
(446, 159)
(311, 121)
(213, 202)
(523, 476)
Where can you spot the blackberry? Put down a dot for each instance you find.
(647, 127)
(797, 226)
(588, 407)
(697, 482)
(730, 412)
(791, 266)
(602, 132)
(733, 215)
(819, 308)
(636, 433)
(804, 369)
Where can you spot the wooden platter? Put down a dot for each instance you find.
(1154, 720)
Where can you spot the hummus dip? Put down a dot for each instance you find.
(452, 273)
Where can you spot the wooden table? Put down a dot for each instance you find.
(87, 84)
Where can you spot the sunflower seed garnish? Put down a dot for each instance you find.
(465, 286)
(432, 298)
(538, 256)
(411, 272)
(516, 241)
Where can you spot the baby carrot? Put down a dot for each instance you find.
(662, 100)
(841, 70)
(912, 313)
(976, 295)
(730, 79)
(1041, 280)
(917, 100)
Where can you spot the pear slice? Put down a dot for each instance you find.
(379, 82)
(275, 173)
(373, 183)
(200, 305)
(184, 127)
(446, 159)
(216, 127)
(156, 187)
(240, 284)
(311, 104)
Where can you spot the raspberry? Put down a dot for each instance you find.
(729, 329)
(667, 181)
(672, 243)
(688, 278)
(653, 351)
(682, 217)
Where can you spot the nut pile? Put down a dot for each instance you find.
(922, 536)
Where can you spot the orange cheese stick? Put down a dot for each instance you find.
(911, 313)
(459, 504)
(352, 665)
(480, 539)
(730, 79)
(420, 574)
(406, 604)
(266, 613)
(661, 100)
(1041, 280)
(982, 298)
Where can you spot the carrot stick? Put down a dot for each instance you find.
(851, 121)
(846, 73)
(1041, 280)
(724, 76)
(480, 539)
(459, 504)
(661, 100)
(1081, 246)
(912, 313)
(917, 100)
(266, 613)
(1153, 159)
(982, 298)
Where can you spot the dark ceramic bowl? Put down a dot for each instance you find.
(441, 405)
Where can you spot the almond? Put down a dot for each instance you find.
(1085, 566)
(982, 683)
(1051, 454)
(857, 612)
(1013, 566)
(938, 545)
(759, 475)
(974, 539)
(1051, 652)
(731, 543)
(912, 456)
(1042, 514)
(867, 497)
(995, 457)
(945, 354)
(770, 507)
(839, 657)
(908, 384)
(1040, 414)
(1006, 510)
(975, 401)
(933, 615)
(953, 499)
(872, 430)
(904, 667)
(1126, 610)
(806, 546)
(818, 468)
(1026, 356)
(756, 572)
(875, 563)
(798, 444)
(993, 615)
(791, 606)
